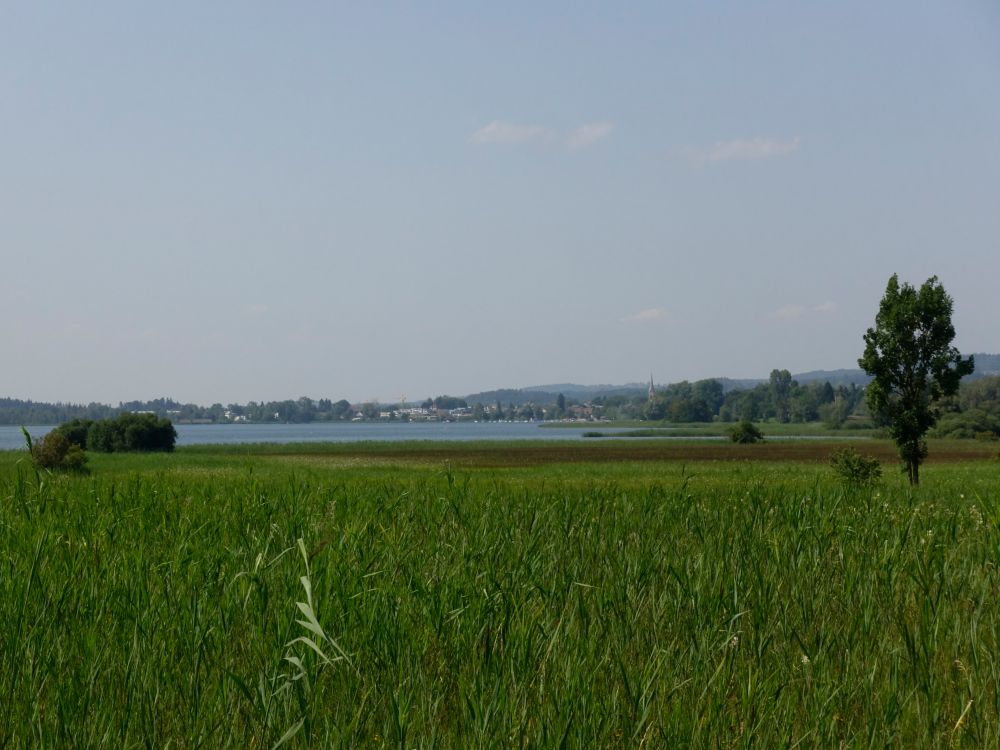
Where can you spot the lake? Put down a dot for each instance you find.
(355, 432)
(339, 432)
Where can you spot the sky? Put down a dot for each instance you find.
(224, 202)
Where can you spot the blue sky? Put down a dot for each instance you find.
(235, 201)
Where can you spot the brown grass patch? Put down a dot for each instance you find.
(508, 456)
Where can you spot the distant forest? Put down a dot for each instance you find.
(838, 401)
(15, 411)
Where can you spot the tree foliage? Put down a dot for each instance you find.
(909, 354)
(449, 402)
(974, 412)
(126, 432)
(854, 469)
(76, 431)
(55, 452)
(746, 432)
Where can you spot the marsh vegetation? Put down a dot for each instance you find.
(488, 596)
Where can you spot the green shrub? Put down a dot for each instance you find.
(857, 424)
(854, 469)
(56, 453)
(126, 432)
(76, 431)
(746, 432)
(972, 423)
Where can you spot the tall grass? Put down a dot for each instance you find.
(756, 607)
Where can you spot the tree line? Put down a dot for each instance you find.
(974, 411)
(779, 399)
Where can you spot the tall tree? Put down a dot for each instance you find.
(910, 356)
(711, 392)
(780, 391)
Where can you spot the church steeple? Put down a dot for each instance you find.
(652, 391)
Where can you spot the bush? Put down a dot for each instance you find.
(103, 437)
(973, 423)
(854, 469)
(146, 432)
(127, 432)
(76, 431)
(55, 452)
(857, 424)
(746, 432)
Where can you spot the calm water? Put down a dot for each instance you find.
(350, 432)
(338, 432)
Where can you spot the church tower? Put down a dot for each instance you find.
(652, 391)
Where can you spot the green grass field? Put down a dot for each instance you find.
(500, 595)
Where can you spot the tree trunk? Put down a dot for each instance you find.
(913, 470)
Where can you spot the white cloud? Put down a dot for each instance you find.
(788, 312)
(746, 149)
(792, 312)
(644, 316)
(507, 132)
(589, 134)
(500, 132)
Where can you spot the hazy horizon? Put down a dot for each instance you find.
(225, 203)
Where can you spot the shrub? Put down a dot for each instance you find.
(746, 432)
(857, 424)
(127, 432)
(55, 452)
(102, 436)
(972, 423)
(76, 431)
(854, 469)
(147, 432)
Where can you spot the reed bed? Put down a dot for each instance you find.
(483, 609)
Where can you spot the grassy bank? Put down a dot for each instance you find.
(707, 429)
(521, 595)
